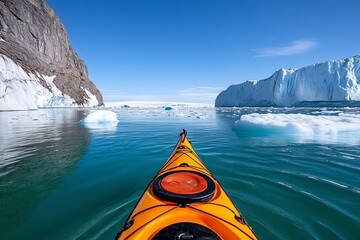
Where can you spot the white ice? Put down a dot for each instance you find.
(20, 90)
(302, 124)
(328, 81)
(101, 116)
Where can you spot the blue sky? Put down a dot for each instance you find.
(190, 50)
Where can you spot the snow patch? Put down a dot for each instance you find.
(92, 101)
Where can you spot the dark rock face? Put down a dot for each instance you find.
(33, 36)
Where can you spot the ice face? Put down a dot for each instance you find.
(329, 81)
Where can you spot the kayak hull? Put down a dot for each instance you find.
(185, 193)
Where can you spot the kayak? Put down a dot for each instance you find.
(185, 201)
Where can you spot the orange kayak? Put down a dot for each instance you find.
(185, 201)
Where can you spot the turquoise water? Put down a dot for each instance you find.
(60, 179)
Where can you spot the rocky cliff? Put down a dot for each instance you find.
(32, 38)
(328, 82)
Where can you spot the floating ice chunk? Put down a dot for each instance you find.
(101, 120)
(181, 114)
(101, 116)
(299, 124)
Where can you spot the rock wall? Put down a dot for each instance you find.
(33, 37)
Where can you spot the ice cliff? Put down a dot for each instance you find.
(38, 67)
(331, 81)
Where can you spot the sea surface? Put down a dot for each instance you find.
(294, 173)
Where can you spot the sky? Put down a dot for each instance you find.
(191, 50)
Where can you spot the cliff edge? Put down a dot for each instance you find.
(37, 62)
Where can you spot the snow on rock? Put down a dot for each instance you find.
(33, 36)
(20, 90)
(331, 81)
(92, 100)
(101, 116)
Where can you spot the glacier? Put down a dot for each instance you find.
(22, 90)
(332, 81)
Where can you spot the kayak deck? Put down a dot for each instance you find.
(184, 201)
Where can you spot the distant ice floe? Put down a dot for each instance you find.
(155, 104)
(163, 109)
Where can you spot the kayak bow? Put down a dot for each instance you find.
(185, 201)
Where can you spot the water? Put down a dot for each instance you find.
(60, 179)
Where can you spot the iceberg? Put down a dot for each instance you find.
(101, 116)
(101, 120)
(302, 124)
(332, 81)
(343, 128)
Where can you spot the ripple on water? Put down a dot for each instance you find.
(61, 180)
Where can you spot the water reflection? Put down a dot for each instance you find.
(38, 148)
(106, 127)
